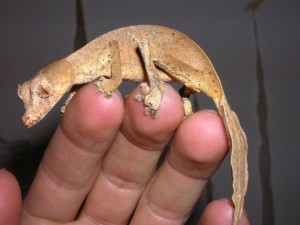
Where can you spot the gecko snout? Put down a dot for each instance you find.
(29, 121)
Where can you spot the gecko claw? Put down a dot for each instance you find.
(152, 112)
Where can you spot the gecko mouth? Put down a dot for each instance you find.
(29, 121)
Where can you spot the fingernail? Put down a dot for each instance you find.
(211, 111)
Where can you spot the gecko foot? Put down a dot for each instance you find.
(145, 90)
(151, 99)
(107, 94)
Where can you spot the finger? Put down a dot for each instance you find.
(10, 199)
(198, 148)
(72, 160)
(220, 212)
(132, 160)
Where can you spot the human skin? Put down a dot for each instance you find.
(105, 152)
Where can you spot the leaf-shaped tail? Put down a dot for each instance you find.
(239, 151)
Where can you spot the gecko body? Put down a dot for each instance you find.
(144, 53)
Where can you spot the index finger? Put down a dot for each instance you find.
(73, 158)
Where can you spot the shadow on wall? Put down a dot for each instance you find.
(262, 113)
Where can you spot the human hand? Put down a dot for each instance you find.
(104, 155)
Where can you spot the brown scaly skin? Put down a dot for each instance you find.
(135, 53)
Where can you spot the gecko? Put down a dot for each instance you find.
(149, 54)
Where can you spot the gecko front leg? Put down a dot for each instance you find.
(152, 93)
(103, 84)
(107, 85)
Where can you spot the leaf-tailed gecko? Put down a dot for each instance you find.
(144, 53)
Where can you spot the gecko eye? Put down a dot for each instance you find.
(43, 89)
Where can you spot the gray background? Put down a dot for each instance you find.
(35, 33)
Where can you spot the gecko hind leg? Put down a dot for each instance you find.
(108, 85)
(152, 92)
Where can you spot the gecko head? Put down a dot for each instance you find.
(42, 92)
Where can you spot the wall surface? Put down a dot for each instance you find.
(35, 33)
